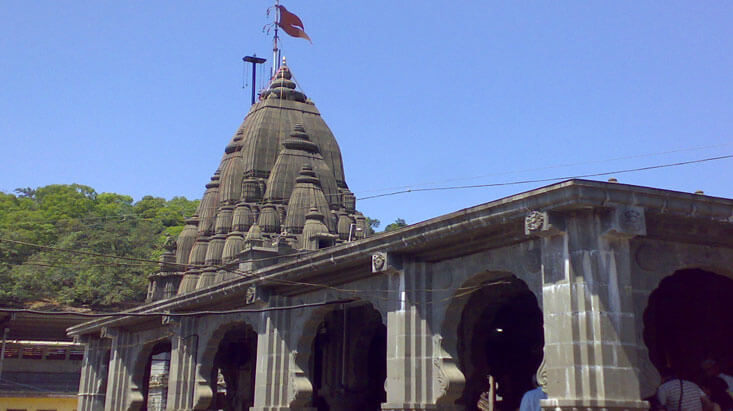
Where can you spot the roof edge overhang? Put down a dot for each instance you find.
(563, 196)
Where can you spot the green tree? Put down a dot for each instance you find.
(43, 222)
(371, 225)
(399, 223)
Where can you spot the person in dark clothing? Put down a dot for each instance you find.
(717, 390)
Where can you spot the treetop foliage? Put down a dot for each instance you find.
(399, 223)
(76, 217)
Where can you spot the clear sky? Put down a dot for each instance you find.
(141, 97)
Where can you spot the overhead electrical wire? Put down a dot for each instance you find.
(173, 314)
(550, 167)
(183, 266)
(291, 282)
(545, 180)
(392, 194)
(410, 189)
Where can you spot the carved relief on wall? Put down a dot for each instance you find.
(251, 295)
(652, 257)
(379, 261)
(534, 222)
(631, 220)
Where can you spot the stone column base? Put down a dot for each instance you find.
(275, 408)
(593, 404)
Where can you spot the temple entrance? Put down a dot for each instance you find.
(688, 320)
(233, 373)
(500, 343)
(155, 379)
(349, 360)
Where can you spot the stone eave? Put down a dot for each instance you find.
(563, 196)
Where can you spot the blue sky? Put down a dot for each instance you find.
(141, 97)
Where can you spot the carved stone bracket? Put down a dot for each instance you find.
(170, 320)
(250, 297)
(386, 263)
(449, 378)
(543, 223)
(625, 221)
(541, 374)
(256, 295)
(301, 389)
(107, 332)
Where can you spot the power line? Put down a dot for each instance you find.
(187, 266)
(646, 155)
(545, 180)
(88, 253)
(184, 267)
(174, 314)
(409, 189)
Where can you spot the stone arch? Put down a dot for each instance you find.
(487, 292)
(684, 314)
(657, 280)
(304, 354)
(204, 395)
(656, 262)
(141, 372)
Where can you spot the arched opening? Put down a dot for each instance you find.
(349, 360)
(155, 379)
(500, 343)
(233, 373)
(688, 320)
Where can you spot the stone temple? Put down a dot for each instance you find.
(272, 297)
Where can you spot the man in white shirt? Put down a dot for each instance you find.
(676, 394)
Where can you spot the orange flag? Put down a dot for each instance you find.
(291, 24)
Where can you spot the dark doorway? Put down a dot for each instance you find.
(155, 379)
(689, 319)
(500, 335)
(349, 361)
(233, 374)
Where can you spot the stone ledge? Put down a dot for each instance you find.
(411, 406)
(592, 404)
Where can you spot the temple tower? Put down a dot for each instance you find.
(281, 172)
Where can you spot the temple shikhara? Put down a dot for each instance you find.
(274, 297)
(279, 189)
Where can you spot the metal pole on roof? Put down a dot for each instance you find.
(255, 61)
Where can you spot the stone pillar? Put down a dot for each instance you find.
(122, 392)
(412, 379)
(275, 384)
(93, 382)
(182, 377)
(590, 341)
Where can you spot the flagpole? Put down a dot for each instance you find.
(275, 50)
